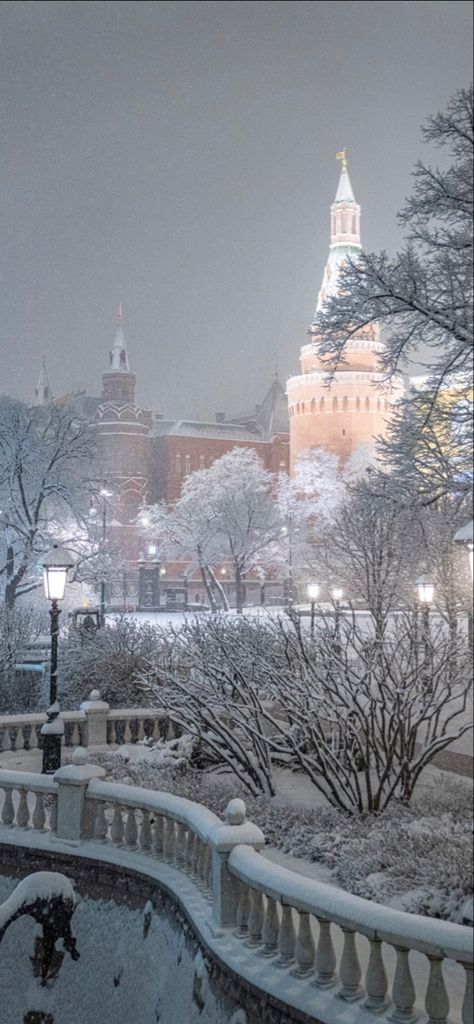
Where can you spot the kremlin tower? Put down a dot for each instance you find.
(354, 410)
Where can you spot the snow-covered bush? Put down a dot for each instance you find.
(114, 660)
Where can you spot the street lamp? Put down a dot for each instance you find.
(55, 568)
(465, 536)
(425, 598)
(313, 594)
(337, 594)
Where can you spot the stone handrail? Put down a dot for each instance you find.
(94, 724)
(314, 936)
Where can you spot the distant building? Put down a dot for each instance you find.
(355, 409)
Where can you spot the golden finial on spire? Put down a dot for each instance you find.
(342, 156)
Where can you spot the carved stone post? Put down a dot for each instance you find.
(236, 831)
(73, 780)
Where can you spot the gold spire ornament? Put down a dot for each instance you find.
(342, 156)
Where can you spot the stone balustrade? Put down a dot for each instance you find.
(94, 724)
(326, 954)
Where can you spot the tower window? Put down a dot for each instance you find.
(367, 404)
(343, 433)
(345, 404)
(187, 464)
(313, 405)
(357, 404)
(321, 404)
(335, 405)
(178, 465)
(202, 462)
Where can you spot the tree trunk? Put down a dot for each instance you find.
(239, 591)
(205, 580)
(219, 588)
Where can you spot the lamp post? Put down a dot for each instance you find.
(465, 537)
(337, 594)
(425, 599)
(313, 594)
(55, 568)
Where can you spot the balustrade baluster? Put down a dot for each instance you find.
(144, 838)
(256, 918)
(3, 739)
(305, 949)
(195, 857)
(13, 733)
(38, 737)
(26, 733)
(188, 852)
(88, 821)
(168, 840)
(53, 815)
(23, 812)
(131, 831)
(207, 880)
(201, 853)
(8, 811)
(271, 925)
(141, 729)
(179, 844)
(100, 829)
(39, 816)
(436, 1001)
(243, 911)
(158, 836)
(376, 982)
(403, 990)
(116, 829)
(110, 732)
(127, 735)
(76, 734)
(325, 956)
(467, 1007)
(286, 937)
(350, 971)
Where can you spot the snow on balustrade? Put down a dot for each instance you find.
(292, 919)
(129, 725)
(313, 946)
(167, 827)
(28, 801)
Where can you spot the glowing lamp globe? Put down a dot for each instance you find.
(313, 591)
(337, 593)
(425, 590)
(55, 568)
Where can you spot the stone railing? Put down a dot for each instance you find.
(95, 724)
(327, 955)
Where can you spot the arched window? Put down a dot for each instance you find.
(202, 462)
(367, 404)
(187, 464)
(313, 405)
(302, 407)
(345, 403)
(297, 407)
(178, 465)
(321, 404)
(354, 224)
(335, 405)
(357, 404)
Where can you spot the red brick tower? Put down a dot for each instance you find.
(356, 408)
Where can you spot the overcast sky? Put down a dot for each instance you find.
(180, 157)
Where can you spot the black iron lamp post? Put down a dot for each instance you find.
(55, 568)
(313, 594)
(465, 536)
(425, 599)
(337, 594)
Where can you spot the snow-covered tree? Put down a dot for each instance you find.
(46, 463)
(423, 294)
(226, 513)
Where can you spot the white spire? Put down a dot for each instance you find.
(118, 354)
(42, 390)
(345, 234)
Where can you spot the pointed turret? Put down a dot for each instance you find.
(43, 394)
(118, 353)
(345, 234)
(119, 381)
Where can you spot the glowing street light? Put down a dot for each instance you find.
(55, 569)
(313, 594)
(426, 592)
